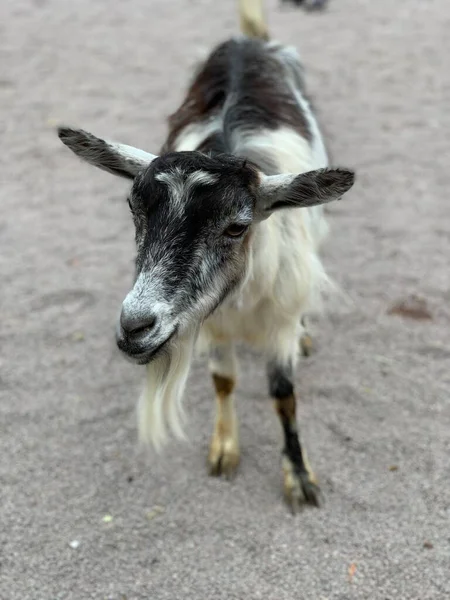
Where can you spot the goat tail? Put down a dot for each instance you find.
(252, 18)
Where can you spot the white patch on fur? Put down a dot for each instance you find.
(222, 360)
(245, 215)
(181, 185)
(105, 154)
(201, 178)
(130, 153)
(195, 134)
(175, 181)
(148, 294)
(284, 148)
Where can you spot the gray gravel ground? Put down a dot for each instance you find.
(375, 407)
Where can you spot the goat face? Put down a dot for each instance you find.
(193, 216)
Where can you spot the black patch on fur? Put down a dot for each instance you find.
(281, 388)
(292, 447)
(280, 380)
(213, 144)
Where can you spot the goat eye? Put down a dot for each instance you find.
(235, 230)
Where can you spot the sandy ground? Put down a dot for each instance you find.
(375, 407)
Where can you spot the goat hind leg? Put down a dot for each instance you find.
(300, 484)
(224, 452)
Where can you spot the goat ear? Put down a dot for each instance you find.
(117, 159)
(308, 189)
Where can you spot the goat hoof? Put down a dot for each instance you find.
(301, 490)
(300, 487)
(306, 345)
(223, 458)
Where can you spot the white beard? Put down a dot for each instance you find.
(160, 407)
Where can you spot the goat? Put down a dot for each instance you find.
(228, 222)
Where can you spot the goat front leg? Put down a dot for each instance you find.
(224, 453)
(300, 484)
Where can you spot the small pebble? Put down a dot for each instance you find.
(156, 510)
(74, 544)
(78, 336)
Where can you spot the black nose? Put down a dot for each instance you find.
(133, 322)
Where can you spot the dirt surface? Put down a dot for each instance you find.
(375, 410)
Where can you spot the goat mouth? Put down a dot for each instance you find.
(144, 357)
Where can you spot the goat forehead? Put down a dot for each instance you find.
(180, 183)
(179, 195)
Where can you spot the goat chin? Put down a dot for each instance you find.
(160, 407)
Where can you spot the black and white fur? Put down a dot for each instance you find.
(228, 225)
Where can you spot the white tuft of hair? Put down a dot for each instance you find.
(160, 407)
